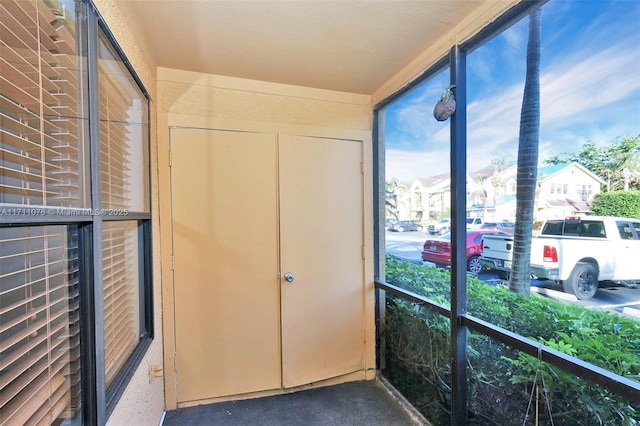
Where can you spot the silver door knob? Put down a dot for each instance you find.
(288, 277)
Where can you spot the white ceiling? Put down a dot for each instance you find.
(345, 45)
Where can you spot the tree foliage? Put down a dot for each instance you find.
(618, 164)
(392, 189)
(617, 203)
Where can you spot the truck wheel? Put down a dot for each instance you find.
(583, 281)
(473, 265)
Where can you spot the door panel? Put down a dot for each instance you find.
(627, 251)
(321, 245)
(225, 245)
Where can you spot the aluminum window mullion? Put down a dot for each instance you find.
(458, 141)
(97, 404)
(65, 217)
(146, 272)
(378, 233)
(38, 219)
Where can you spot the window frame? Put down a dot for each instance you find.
(107, 398)
(98, 401)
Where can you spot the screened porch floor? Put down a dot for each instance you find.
(366, 403)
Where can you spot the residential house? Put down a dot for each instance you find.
(563, 190)
(425, 199)
(566, 190)
(483, 189)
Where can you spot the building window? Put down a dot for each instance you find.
(39, 324)
(121, 298)
(559, 188)
(418, 199)
(74, 215)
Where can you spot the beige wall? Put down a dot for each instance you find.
(143, 401)
(194, 100)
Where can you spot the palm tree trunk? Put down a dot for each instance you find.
(527, 162)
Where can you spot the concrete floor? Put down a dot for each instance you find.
(364, 403)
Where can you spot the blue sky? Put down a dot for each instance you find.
(590, 91)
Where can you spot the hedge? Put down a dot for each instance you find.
(501, 379)
(617, 203)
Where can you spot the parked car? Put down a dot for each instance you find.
(405, 225)
(474, 222)
(388, 223)
(438, 250)
(440, 227)
(501, 226)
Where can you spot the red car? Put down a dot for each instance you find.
(438, 250)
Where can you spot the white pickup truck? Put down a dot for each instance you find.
(578, 252)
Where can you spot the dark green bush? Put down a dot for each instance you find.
(617, 203)
(500, 378)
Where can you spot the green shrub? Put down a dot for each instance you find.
(501, 379)
(617, 203)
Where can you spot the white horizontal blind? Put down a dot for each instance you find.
(121, 104)
(41, 163)
(114, 146)
(121, 301)
(39, 325)
(123, 134)
(40, 153)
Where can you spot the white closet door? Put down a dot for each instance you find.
(321, 246)
(225, 248)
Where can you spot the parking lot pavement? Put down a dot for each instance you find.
(405, 245)
(610, 297)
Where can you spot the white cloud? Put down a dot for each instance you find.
(585, 96)
(408, 166)
(575, 96)
(577, 87)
